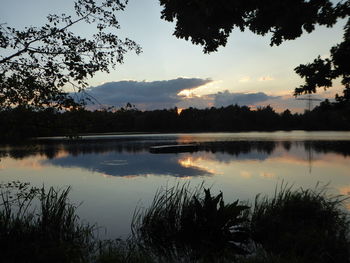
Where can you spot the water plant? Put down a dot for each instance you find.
(185, 224)
(308, 225)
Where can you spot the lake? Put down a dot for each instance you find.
(113, 174)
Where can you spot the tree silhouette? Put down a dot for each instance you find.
(209, 23)
(22, 122)
(321, 72)
(37, 63)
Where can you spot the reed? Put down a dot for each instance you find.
(308, 225)
(122, 251)
(183, 224)
(41, 226)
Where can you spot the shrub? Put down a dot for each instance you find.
(186, 224)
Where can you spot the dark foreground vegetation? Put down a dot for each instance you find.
(23, 122)
(181, 225)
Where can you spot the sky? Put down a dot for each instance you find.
(172, 72)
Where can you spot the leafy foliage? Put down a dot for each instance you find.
(38, 63)
(209, 23)
(180, 223)
(321, 72)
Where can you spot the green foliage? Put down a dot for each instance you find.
(183, 224)
(38, 62)
(305, 225)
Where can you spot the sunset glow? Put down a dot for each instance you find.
(175, 131)
(186, 93)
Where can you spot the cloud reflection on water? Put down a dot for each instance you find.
(130, 157)
(128, 164)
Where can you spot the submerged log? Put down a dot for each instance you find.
(176, 148)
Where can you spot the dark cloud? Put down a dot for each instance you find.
(227, 98)
(197, 102)
(164, 94)
(144, 94)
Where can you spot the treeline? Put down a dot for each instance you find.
(23, 122)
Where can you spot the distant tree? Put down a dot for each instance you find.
(37, 63)
(209, 23)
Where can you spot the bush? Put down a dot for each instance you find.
(184, 224)
(306, 225)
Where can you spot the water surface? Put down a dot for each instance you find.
(114, 174)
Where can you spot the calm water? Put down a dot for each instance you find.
(112, 175)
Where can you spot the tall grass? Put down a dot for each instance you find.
(41, 226)
(122, 251)
(187, 225)
(308, 225)
(183, 224)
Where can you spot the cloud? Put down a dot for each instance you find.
(182, 93)
(144, 94)
(226, 98)
(249, 79)
(201, 102)
(289, 102)
(266, 78)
